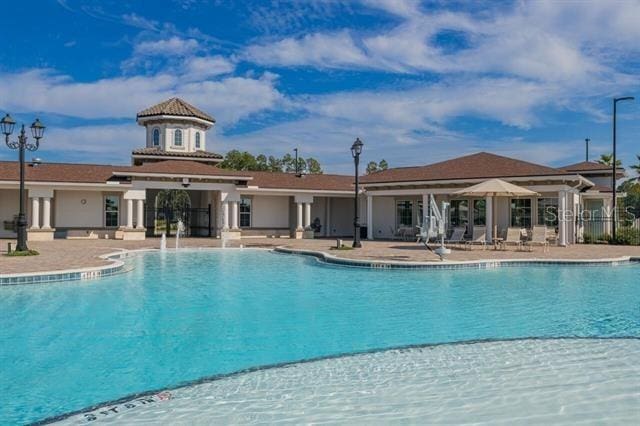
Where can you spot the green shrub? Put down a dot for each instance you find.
(627, 236)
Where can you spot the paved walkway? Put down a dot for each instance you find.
(71, 254)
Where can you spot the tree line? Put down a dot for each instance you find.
(245, 161)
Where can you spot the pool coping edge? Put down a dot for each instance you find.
(447, 264)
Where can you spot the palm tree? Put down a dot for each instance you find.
(607, 159)
(636, 167)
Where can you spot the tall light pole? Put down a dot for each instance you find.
(586, 142)
(297, 167)
(356, 150)
(614, 179)
(37, 130)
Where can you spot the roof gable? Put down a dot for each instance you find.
(586, 166)
(482, 165)
(178, 107)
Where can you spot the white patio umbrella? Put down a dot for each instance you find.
(495, 188)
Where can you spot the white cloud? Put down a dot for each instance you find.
(173, 46)
(202, 67)
(229, 99)
(95, 144)
(548, 41)
(320, 50)
(404, 8)
(141, 22)
(509, 101)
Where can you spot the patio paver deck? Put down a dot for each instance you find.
(72, 254)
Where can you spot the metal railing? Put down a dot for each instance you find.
(198, 222)
(599, 230)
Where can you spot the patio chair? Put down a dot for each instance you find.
(422, 236)
(395, 233)
(539, 238)
(514, 237)
(479, 237)
(458, 235)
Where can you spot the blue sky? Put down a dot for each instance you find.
(417, 81)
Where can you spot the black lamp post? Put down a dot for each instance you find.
(356, 150)
(37, 130)
(614, 178)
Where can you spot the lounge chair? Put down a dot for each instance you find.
(538, 238)
(479, 237)
(458, 235)
(514, 237)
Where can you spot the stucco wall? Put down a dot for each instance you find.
(318, 210)
(383, 216)
(70, 212)
(270, 211)
(9, 200)
(342, 216)
(503, 214)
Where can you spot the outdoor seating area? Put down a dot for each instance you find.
(520, 239)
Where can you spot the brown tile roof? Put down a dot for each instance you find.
(176, 106)
(159, 152)
(482, 165)
(323, 182)
(586, 166)
(57, 172)
(180, 167)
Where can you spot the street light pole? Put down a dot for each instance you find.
(37, 130)
(614, 179)
(586, 141)
(356, 150)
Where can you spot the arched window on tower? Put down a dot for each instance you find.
(177, 138)
(156, 137)
(197, 140)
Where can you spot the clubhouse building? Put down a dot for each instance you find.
(175, 176)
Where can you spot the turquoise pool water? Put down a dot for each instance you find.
(180, 317)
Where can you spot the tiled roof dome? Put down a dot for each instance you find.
(178, 107)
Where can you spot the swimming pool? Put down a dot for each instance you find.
(181, 316)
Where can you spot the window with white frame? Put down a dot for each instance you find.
(479, 212)
(548, 211)
(521, 212)
(404, 213)
(111, 211)
(245, 212)
(197, 140)
(177, 137)
(156, 137)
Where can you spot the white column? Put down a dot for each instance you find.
(140, 212)
(369, 217)
(35, 213)
(307, 215)
(562, 211)
(225, 215)
(425, 207)
(129, 213)
(234, 215)
(299, 223)
(488, 201)
(46, 213)
(327, 225)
